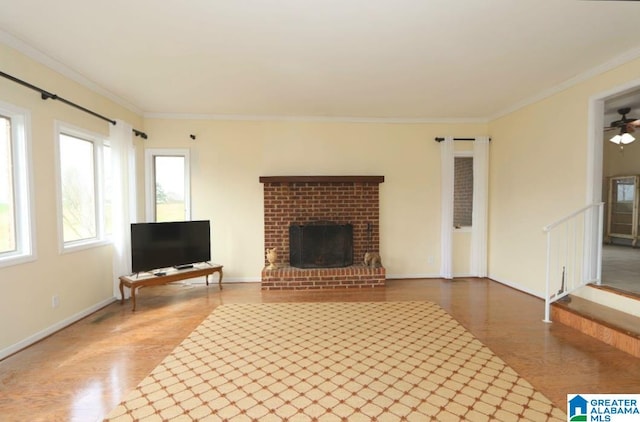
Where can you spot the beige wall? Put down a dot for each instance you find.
(82, 279)
(228, 157)
(538, 174)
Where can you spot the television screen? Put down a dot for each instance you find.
(171, 244)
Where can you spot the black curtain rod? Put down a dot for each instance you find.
(46, 95)
(458, 139)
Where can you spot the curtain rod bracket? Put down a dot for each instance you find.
(140, 134)
(440, 139)
(46, 95)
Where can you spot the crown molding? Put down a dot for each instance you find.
(617, 61)
(53, 64)
(339, 119)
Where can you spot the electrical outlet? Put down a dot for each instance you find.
(430, 259)
(55, 301)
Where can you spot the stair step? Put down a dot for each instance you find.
(618, 329)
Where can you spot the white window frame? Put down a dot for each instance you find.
(150, 189)
(98, 141)
(22, 186)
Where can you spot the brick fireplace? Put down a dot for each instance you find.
(309, 199)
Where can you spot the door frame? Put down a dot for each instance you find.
(595, 158)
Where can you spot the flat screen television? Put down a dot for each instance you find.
(170, 244)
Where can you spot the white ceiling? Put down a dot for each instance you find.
(392, 59)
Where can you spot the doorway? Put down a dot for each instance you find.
(620, 256)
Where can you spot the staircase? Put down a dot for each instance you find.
(574, 295)
(613, 327)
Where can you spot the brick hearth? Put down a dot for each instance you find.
(306, 199)
(290, 278)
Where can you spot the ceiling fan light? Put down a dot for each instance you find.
(626, 138)
(616, 139)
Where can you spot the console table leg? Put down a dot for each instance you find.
(133, 298)
(220, 279)
(121, 293)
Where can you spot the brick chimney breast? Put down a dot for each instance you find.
(308, 199)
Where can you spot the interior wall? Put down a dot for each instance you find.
(621, 162)
(538, 174)
(228, 157)
(82, 280)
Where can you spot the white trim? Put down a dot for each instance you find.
(480, 220)
(240, 280)
(411, 276)
(24, 193)
(53, 328)
(64, 70)
(343, 119)
(595, 137)
(595, 141)
(447, 180)
(517, 286)
(620, 60)
(463, 275)
(149, 188)
(98, 142)
(610, 300)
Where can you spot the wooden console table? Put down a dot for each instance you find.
(134, 282)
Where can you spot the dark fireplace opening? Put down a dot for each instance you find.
(320, 245)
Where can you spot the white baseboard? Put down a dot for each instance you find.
(517, 287)
(52, 329)
(401, 276)
(214, 280)
(242, 280)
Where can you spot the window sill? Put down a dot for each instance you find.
(464, 229)
(82, 245)
(10, 260)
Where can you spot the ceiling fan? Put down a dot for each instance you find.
(625, 125)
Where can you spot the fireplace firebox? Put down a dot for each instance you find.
(320, 245)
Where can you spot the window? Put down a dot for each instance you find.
(625, 190)
(16, 228)
(84, 186)
(463, 192)
(167, 185)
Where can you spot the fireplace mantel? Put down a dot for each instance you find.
(321, 179)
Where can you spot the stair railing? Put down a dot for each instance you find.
(574, 254)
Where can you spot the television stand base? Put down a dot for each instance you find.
(134, 283)
(183, 267)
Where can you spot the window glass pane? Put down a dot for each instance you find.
(170, 188)
(78, 188)
(626, 190)
(7, 202)
(463, 192)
